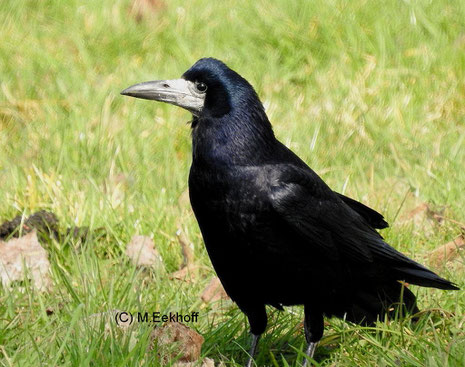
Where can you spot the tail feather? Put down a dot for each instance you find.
(374, 304)
(424, 277)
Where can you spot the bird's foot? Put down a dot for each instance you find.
(309, 353)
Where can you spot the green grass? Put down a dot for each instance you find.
(370, 94)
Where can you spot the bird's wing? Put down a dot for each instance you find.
(316, 213)
(302, 199)
(374, 219)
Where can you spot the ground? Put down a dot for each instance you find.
(370, 94)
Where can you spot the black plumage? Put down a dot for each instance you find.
(275, 232)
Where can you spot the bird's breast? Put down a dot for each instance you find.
(229, 198)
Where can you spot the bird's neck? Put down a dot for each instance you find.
(233, 140)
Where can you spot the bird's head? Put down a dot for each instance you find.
(229, 124)
(209, 89)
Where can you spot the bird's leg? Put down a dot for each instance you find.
(257, 320)
(313, 327)
(253, 349)
(309, 352)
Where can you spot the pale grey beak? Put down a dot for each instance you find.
(179, 92)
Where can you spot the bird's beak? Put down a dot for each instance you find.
(179, 92)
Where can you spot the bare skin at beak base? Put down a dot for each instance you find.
(178, 92)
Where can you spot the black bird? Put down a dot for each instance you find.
(275, 232)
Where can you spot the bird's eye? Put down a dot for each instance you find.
(201, 87)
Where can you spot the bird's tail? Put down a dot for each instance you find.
(420, 275)
(375, 303)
